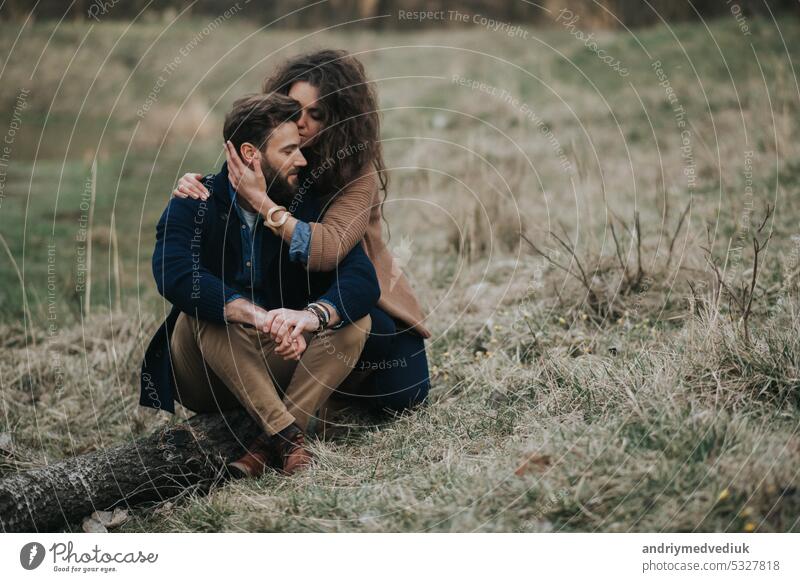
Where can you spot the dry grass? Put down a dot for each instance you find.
(592, 369)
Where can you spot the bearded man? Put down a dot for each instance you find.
(249, 327)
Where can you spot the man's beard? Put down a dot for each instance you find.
(278, 188)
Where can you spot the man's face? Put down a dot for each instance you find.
(281, 162)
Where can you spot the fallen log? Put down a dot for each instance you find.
(157, 467)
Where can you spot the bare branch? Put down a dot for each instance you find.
(638, 227)
(571, 251)
(549, 259)
(766, 218)
(677, 230)
(619, 253)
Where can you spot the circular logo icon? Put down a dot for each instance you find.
(31, 555)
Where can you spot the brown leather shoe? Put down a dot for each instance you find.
(259, 455)
(292, 450)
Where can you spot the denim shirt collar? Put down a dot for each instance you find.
(234, 199)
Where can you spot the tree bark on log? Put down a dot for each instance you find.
(153, 468)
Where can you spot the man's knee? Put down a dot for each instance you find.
(354, 334)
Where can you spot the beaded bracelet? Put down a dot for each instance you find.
(322, 315)
(326, 315)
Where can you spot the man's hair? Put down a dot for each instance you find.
(253, 118)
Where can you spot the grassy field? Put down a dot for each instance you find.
(619, 367)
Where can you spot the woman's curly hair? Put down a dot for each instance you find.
(350, 139)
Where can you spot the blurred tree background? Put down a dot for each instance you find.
(593, 13)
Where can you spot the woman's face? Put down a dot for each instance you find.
(310, 122)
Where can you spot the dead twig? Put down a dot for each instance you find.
(675, 234)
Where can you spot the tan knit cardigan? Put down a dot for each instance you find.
(355, 215)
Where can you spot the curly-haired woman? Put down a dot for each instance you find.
(340, 131)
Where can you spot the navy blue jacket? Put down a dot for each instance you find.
(198, 250)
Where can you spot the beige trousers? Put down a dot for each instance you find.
(220, 367)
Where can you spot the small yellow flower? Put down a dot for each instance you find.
(749, 526)
(498, 327)
(446, 354)
(724, 494)
(584, 317)
(746, 512)
(562, 321)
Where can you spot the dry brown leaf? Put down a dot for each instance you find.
(536, 462)
(110, 519)
(91, 525)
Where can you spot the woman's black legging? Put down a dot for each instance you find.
(393, 369)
